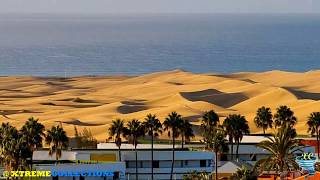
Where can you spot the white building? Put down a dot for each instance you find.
(185, 162)
(106, 158)
(90, 161)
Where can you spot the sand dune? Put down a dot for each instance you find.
(215, 97)
(94, 101)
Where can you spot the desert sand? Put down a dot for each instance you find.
(94, 101)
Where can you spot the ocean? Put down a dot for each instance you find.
(74, 45)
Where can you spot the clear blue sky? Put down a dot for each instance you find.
(159, 6)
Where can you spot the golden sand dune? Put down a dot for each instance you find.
(94, 102)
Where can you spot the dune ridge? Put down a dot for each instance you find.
(94, 101)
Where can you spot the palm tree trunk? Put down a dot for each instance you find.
(281, 169)
(317, 134)
(56, 157)
(237, 150)
(173, 148)
(119, 152)
(31, 165)
(152, 156)
(231, 150)
(216, 165)
(182, 140)
(135, 149)
(31, 162)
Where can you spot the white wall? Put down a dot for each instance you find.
(70, 155)
(44, 155)
(253, 149)
(167, 155)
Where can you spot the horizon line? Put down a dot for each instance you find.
(159, 13)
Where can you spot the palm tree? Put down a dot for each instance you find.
(229, 126)
(283, 116)
(236, 126)
(282, 147)
(210, 118)
(13, 148)
(215, 139)
(172, 124)
(314, 126)
(243, 173)
(7, 132)
(116, 130)
(134, 131)
(153, 128)
(241, 128)
(57, 139)
(186, 132)
(263, 118)
(32, 132)
(196, 175)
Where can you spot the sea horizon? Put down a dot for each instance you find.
(126, 44)
(155, 72)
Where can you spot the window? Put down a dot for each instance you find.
(146, 164)
(155, 164)
(224, 157)
(165, 164)
(116, 175)
(186, 162)
(131, 164)
(203, 163)
(178, 164)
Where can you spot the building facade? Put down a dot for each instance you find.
(189, 159)
(185, 162)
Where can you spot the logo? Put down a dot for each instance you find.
(55, 173)
(307, 161)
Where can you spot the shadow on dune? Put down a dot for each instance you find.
(235, 76)
(134, 103)
(127, 109)
(176, 83)
(78, 100)
(11, 90)
(216, 97)
(303, 94)
(79, 123)
(64, 86)
(132, 106)
(23, 96)
(194, 118)
(57, 79)
(11, 112)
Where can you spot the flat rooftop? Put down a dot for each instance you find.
(247, 139)
(112, 146)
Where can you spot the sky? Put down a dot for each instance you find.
(159, 6)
